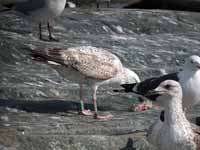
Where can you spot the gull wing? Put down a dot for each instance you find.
(91, 62)
(29, 6)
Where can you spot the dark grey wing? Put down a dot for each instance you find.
(150, 84)
(29, 6)
(147, 85)
(128, 87)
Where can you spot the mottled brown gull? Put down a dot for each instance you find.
(176, 132)
(88, 65)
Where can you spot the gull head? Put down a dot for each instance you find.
(166, 92)
(129, 77)
(193, 63)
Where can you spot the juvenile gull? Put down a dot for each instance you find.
(41, 11)
(176, 132)
(189, 78)
(88, 65)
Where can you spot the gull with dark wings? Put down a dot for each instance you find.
(188, 77)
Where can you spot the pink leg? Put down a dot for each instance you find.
(83, 111)
(103, 118)
(86, 112)
(96, 116)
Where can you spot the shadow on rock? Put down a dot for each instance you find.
(129, 145)
(50, 106)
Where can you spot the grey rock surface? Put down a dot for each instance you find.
(38, 108)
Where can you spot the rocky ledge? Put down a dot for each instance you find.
(38, 108)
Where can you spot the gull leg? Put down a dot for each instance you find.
(51, 38)
(97, 3)
(96, 116)
(77, 3)
(108, 4)
(83, 111)
(40, 31)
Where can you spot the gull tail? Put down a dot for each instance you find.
(54, 55)
(127, 88)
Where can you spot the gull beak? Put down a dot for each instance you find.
(198, 66)
(153, 94)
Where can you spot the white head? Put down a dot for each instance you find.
(193, 63)
(129, 77)
(168, 91)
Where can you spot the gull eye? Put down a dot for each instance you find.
(191, 61)
(167, 86)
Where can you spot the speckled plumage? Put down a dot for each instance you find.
(93, 63)
(89, 65)
(176, 132)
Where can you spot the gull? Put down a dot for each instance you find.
(175, 132)
(88, 65)
(41, 11)
(188, 77)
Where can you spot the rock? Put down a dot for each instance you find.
(41, 107)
